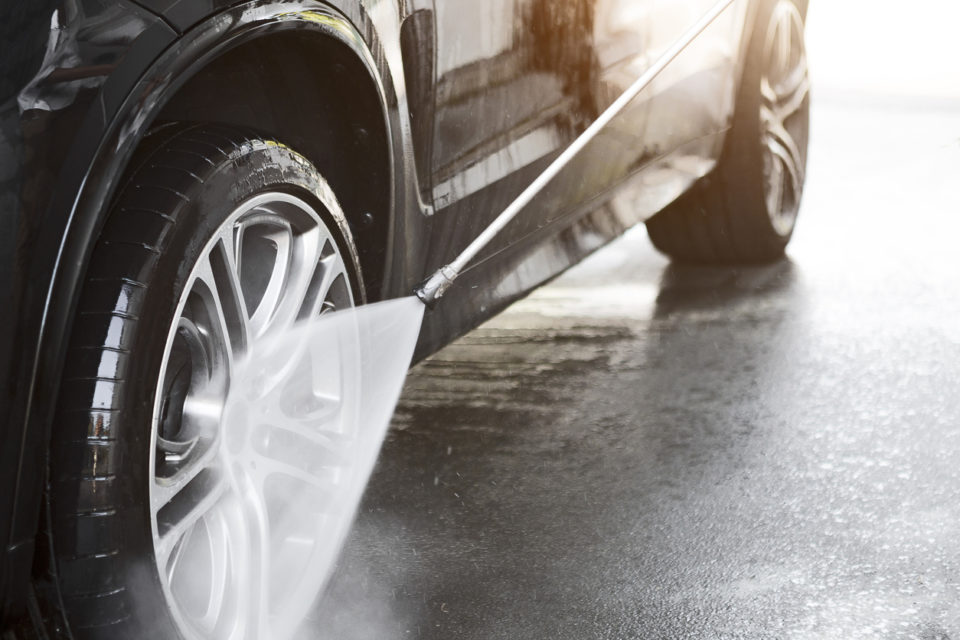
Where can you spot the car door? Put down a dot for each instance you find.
(507, 101)
(518, 80)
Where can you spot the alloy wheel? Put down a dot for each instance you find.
(784, 119)
(231, 448)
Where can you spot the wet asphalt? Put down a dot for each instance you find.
(642, 450)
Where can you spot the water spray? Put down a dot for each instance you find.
(308, 411)
(301, 427)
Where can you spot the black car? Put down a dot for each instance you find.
(178, 178)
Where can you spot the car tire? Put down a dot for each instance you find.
(105, 453)
(745, 210)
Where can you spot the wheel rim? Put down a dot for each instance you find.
(229, 563)
(784, 120)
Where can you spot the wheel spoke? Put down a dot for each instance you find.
(784, 102)
(176, 448)
(252, 526)
(274, 369)
(198, 459)
(785, 39)
(332, 267)
(308, 433)
(262, 317)
(329, 269)
(226, 269)
(174, 562)
(305, 265)
(218, 550)
(220, 317)
(780, 143)
(776, 185)
(793, 99)
(261, 587)
(234, 626)
(318, 478)
(174, 523)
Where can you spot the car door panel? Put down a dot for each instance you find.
(519, 88)
(505, 106)
(511, 95)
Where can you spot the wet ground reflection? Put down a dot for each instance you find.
(642, 450)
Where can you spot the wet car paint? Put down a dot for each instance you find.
(105, 69)
(571, 60)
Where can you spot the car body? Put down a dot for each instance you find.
(427, 117)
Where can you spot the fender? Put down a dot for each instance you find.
(158, 62)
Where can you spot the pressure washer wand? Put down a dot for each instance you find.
(433, 288)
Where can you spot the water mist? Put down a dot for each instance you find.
(302, 425)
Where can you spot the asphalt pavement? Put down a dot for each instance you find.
(642, 450)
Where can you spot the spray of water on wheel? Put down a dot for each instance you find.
(315, 403)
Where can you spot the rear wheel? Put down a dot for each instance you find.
(746, 209)
(161, 519)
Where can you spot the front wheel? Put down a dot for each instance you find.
(746, 209)
(161, 514)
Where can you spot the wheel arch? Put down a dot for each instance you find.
(311, 92)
